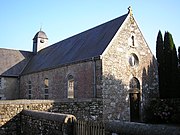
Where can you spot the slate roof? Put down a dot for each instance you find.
(85, 45)
(13, 62)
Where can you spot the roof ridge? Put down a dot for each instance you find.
(85, 31)
(14, 50)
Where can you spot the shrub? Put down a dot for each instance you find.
(162, 111)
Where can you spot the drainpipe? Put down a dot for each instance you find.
(18, 96)
(94, 77)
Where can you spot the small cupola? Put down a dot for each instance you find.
(40, 41)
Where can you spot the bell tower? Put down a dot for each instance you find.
(40, 41)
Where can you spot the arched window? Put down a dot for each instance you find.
(29, 90)
(133, 60)
(46, 88)
(70, 87)
(134, 83)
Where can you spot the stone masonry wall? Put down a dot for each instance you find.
(46, 123)
(9, 88)
(83, 74)
(82, 109)
(9, 113)
(117, 72)
(10, 120)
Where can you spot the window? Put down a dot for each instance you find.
(46, 88)
(133, 60)
(70, 86)
(29, 90)
(0, 82)
(132, 38)
(132, 42)
(134, 83)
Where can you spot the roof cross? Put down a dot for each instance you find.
(130, 10)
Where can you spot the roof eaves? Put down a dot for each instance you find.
(63, 65)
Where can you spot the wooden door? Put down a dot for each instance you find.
(134, 107)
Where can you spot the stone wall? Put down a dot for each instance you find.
(9, 113)
(84, 109)
(132, 128)
(46, 123)
(9, 88)
(118, 71)
(85, 81)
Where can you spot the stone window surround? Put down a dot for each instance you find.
(70, 93)
(132, 38)
(133, 60)
(46, 88)
(29, 89)
(0, 82)
(134, 83)
(132, 42)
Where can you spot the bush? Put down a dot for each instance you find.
(162, 111)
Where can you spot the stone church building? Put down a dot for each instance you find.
(111, 62)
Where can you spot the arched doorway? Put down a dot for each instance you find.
(134, 96)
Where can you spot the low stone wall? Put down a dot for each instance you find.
(10, 113)
(46, 123)
(83, 109)
(11, 108)
(132, 128)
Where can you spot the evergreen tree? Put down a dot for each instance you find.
(179, 54)
(160, 59)
(174, 56)
(178, 74)
(159, 47)
(167, 65)
(170, 63)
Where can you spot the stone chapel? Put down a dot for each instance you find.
(111, 62)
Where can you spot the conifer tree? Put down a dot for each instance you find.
(159, 48)
(179, 54)
(160, 60)
(167, 64)
(170, 62)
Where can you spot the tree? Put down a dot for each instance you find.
(159, 47)
(170, 63)
(167, 65)
(160, 59)
(170, 53)
(179, 54)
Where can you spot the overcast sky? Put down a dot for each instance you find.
(60, 19)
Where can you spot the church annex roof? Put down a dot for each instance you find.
(83, 46)
(12, 62)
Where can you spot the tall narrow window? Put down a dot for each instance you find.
(132, 40)
(46, 88)
(0, 82)
(29, 90)
(70, 86)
